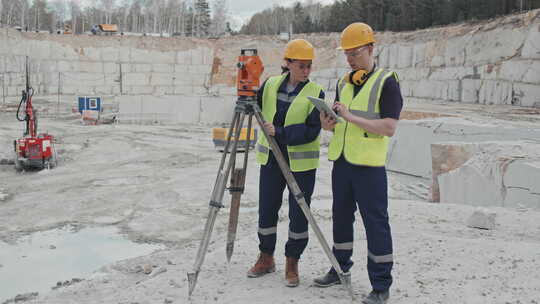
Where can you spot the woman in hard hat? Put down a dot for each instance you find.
(294, 123)
(368, 98)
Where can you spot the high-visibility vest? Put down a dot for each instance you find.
(301, 157)
(359, 146)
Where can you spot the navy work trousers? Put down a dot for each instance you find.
(366, 188)
(272, 184)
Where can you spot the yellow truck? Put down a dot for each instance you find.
(100, 29)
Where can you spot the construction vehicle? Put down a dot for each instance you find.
(33, 150)
(250, 69)
(99, 29)
(67, 30)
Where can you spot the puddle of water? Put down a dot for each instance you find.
(40, 260)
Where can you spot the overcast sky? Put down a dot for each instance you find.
(241, 10)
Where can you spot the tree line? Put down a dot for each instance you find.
(181, 17)
(202, 18)
(382, 15)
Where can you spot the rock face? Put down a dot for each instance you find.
(496, 62)
(501, 174)
(411, 147)
(446, 157)
(188, 80)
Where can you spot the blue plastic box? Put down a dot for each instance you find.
(89, 103)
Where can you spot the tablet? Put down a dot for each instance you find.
(322, 106)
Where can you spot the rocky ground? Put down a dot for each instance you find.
(153, 182)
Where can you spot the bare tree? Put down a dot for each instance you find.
(193, 19)
(108, 5)
(173, 15)
(23, 4)
(219, 18)
(59, 8)
(10, 12)
(1, 12)
(157, 7)
(125, 10)
(182, 16)
(136, 15)
(75, 10)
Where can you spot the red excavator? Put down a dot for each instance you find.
(32, 151)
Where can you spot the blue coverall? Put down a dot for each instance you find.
(365, 188)
(272, 182)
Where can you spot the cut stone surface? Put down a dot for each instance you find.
(490, 178)
(446, 157)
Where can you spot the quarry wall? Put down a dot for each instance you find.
(493, 62)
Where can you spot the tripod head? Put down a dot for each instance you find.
(250, 69)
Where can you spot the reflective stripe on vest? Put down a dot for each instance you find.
(262, 149)
(301, 157)
(359, 146)
(304, 155)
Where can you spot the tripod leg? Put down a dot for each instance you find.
(345, 278)
(238, 179)
(216, 198)
(237, 185)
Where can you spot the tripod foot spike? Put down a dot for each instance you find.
(192, 280)
(345, 279)
(230, 247)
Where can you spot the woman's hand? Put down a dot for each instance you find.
(327, 122)
(270, 129)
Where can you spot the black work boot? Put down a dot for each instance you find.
(329, 279)
(377, 297)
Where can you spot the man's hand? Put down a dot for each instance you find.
(270, 128)
(327, 122)
(384, 126)
(342, 110)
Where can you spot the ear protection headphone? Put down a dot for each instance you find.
(357, 77)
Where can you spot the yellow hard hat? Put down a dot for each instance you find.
(299, 49)
(355, 35)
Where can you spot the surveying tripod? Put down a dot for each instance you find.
(246, 106)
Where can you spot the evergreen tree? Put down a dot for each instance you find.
(298, 18)
(202, 18)
(189, 24)
(192, 17)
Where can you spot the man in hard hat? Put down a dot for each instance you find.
(368, 98)
(295, 124)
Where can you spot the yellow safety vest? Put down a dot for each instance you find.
(301, 157)
(357, 145)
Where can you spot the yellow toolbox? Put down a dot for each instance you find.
(219, 137)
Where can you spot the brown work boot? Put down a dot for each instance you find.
(265, 264)
(291, 272)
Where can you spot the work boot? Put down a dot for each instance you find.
(377, 297)
(291, 272)
(329, 279)
(265, 264)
